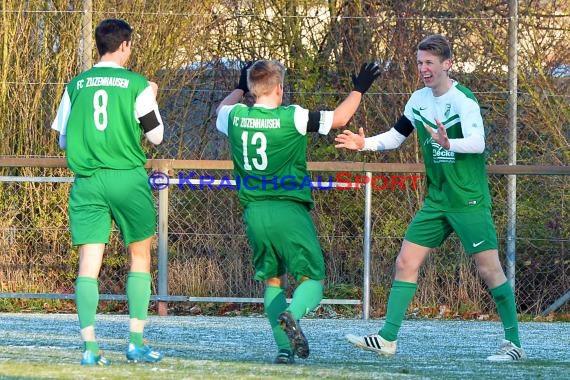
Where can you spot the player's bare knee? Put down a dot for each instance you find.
(276, 282)
(492, 275)
(406, 266)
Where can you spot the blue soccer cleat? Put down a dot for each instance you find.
(142, 354)
(89, 358)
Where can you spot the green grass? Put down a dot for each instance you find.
(47, 346)
(61, 364)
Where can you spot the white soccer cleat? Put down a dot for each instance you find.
(373, 342)
(508, 352)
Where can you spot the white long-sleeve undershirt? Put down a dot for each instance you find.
(393, 139)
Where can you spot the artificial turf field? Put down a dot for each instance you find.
(47, 346)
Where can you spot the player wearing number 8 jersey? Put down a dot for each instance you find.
(102, 116)
(269, 147)
(99, 98)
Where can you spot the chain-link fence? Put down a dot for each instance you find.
(194, 51)
(208, 255)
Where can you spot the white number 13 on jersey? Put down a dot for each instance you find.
(260, 142)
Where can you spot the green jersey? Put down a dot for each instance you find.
(455, 181)
(269, 149)
(100, 114)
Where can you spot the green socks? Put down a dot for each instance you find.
(138, 294)
(401, 296)
(138, 297)
(506, 307)
(136, 338)
(275, 303)
(402, 293)
(91, 346)
(86, 302)
(306, 298)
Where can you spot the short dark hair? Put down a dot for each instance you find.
(437, 45)
(110, 34)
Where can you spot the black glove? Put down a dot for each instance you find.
(242, 85)
(368, 73)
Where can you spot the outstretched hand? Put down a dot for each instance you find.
(439, 136)
(368, 73)
(350, 140)
(242, 84)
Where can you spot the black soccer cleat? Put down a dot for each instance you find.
(284, 357)
(296, 337)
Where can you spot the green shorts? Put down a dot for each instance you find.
(475, 228)
(120, 195)
(283, 238)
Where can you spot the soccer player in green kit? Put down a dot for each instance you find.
(448, 121)
(269, 149)
(101, 118)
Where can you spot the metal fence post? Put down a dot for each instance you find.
(86, 47)
(512, 120)
(163, 248)
(366, 245)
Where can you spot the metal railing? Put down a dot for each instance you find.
(165, 209)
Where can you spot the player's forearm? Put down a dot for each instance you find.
(234, 97)
(391, 139)
(471, 144)
(345, 110)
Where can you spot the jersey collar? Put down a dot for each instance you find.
(108, 64)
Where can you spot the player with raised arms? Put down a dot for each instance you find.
(269, 140)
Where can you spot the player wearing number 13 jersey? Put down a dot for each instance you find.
(102, 116)
(269, 147)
